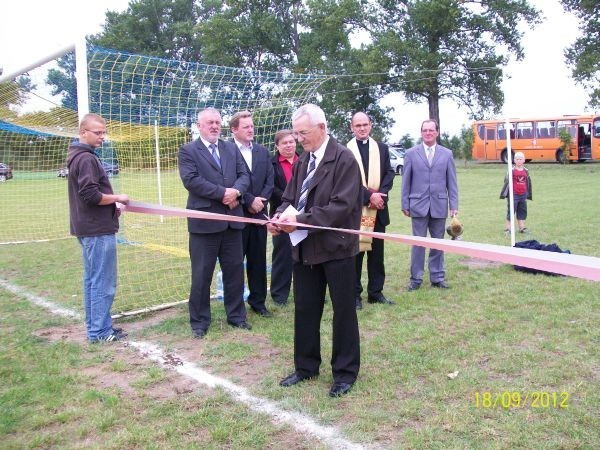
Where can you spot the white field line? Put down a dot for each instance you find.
(300, 422)
(40, 301)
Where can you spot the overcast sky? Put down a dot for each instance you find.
(538, 85)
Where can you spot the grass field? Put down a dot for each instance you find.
(504, 332)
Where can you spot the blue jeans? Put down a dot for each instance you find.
(99, 283)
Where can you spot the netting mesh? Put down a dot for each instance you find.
(150, 105)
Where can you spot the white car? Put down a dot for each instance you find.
(397, 159)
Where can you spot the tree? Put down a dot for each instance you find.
(449, 48)
(163, 28)
(406, 141)
(306, 37)
(14, 94)
(63, 81)
(584, 55)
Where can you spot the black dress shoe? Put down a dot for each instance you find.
(440, 285)
(339, 389)
(413, 287)
(243, 325)
(358, 303)
(263, 312)
(380, 299)
(199, 333)
(294, 378)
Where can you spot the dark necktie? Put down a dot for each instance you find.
(215, 155)
(306, 183)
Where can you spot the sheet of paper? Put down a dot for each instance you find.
(295, 236)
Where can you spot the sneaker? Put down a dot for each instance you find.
(120, 331)
(524, 230)
(506, 232)
(112, 337)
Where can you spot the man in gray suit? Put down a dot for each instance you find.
(429, 189)
(215, 176)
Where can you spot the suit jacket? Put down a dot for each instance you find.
(261, 179)
(206, 183)
(385, 184)
(429, 190)
(333, 201)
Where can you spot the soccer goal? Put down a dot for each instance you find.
(150, 105)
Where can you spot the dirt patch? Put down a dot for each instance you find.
(478, 263)
(124, 369)
(71, 333)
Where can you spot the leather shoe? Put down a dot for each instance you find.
(440, 285)
(294, 378)
(263, 312)
(339, 389)
(413, 287)
(199, 333)
(243, 325)
(381, 299)
(358, 303)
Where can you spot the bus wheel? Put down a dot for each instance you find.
(504, 156)
(560, 157)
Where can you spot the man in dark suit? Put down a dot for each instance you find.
(377, 177)
(254, 201)
(214, 173)
(325, 191)
(429, 189)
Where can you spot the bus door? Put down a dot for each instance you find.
(489, 141)
(584, 141)
(595, 138)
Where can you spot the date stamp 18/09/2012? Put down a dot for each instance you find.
(516, 399)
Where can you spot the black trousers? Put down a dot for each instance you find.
(281, 268)
(204, 251)
(254, 239)
(310, 283)
(375, 267)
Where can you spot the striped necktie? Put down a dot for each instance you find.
(306, 183)
(215, 155)
(430, 154)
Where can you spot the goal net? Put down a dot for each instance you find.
(150, 105)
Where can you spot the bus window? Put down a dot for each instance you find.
(481, 131)
(597, 128)
(490, 134)
(501, 131)
(567, 125)
(544, 129)
(524, 130)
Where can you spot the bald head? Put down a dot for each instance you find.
(361, 126)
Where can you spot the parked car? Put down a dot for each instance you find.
(110, 169)
(397, 158)
(5, 172)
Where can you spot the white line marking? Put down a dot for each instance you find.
(302, 423)
(40, 301)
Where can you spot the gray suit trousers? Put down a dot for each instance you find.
(436, 228)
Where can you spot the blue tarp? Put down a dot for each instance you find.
(12, 128)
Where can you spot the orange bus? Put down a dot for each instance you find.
(538, 138)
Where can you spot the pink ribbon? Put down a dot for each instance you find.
(586, 267)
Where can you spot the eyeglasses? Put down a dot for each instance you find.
(97, 133)
(303, 133)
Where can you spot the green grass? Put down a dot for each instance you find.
(503, 331)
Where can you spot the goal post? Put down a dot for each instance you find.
(150, 105)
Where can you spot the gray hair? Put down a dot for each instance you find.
(314, 113)
(209, 109)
